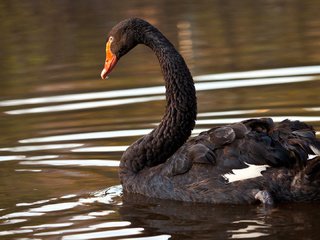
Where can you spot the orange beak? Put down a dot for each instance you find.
(110, 62)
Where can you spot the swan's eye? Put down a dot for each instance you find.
(110, 39)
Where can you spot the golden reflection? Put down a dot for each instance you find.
(313, 109)
(185, 42)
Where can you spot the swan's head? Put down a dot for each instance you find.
(121, 39)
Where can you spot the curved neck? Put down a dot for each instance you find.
(181, 109)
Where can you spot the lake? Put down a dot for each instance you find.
(63, 129)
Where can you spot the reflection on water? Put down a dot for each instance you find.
(199, 87)
(85, 105)
(73, 162)
(101, 149)
(101, 234)
(90, 135)
(14, 157)
(253, 229)
(63, 130)
(279, 72)
(275, 118)
(41, 147)
(253, 75)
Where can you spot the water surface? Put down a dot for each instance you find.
(63, 130)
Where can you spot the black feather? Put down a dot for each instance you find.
(163, 164)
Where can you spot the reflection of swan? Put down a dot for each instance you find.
(202, 222)
(237, 163)
(205, 221)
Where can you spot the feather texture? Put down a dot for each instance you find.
(254, 160)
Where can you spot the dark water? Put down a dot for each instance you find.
(63, 130)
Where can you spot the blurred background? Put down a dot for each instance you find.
(63, 130)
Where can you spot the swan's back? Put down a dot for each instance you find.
(238, 162)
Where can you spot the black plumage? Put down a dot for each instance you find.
(165, 164)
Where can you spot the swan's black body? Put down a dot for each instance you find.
(163, 164)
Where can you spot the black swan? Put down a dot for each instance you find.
(210, 168)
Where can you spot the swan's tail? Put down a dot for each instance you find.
(312, 171)
(306, 183)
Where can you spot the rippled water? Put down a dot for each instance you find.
(63, 130)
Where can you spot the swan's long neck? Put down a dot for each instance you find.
(180, 114)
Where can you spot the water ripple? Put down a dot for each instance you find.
(158, 237)
(101, 213)
(106, 196)
(314, 109)
(252, 82)
(41, 157)
(49, 225)
(86, 96)
(11, 158)
(84, 105)
(140, 132)
(141, 92)
(90, 135)
(12, 232)
(21, 214)
(55, 207)
(270, 78)
(28, 170)
(75, 162)
(49, 206)
(105, 234)
(41, 147)
(101, 149)
(13, 221)
(89, 228)
(233, 112)
(253, 229)
(278, 72)
(275, 118)
(33, 203)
